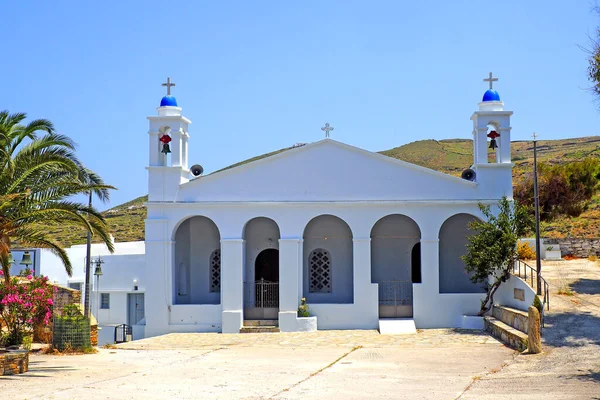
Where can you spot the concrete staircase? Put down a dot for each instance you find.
(508, 325)
(260, 326)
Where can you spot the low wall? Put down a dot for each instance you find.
(14, 362)
(576, 246)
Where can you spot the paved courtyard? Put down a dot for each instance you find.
(433, 364)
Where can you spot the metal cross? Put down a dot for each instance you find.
(491, 80)
(327, 129)
(535, 135)
(168, 84)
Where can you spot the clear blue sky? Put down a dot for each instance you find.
(256, 76)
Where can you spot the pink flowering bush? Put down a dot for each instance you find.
(24, 302)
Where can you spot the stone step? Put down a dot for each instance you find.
(506, 333)
(518, 319)
(261, 322)
(260, 329)
(397, 326)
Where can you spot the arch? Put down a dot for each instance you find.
(197, 239)
(261, 260)
(330, 234)
(453, 235)
(393, 240)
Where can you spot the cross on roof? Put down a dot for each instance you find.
(327, 129)
(491, 80)
(168, 84)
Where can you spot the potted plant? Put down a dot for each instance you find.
(304, 322)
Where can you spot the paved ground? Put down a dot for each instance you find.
(570, 365)
(433, 364)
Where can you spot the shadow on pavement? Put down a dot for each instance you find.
(572, 330)
(586, 286)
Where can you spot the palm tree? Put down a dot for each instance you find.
(38, 176)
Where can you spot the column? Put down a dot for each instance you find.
(290, 270)
(158, 265)
(232, 285)
(366, 301)
(290, 282)
(426, 294)
(176, 144)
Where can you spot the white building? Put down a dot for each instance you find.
(361, 236)
(116, 297)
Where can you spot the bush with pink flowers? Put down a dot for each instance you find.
(24, 303)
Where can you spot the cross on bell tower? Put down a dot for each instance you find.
(491, 81)
(168, 84)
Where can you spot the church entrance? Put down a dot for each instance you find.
(395, 264)
(262, 295)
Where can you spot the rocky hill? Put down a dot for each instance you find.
(449, 156)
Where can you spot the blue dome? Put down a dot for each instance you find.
(168, 101)
(491, 95)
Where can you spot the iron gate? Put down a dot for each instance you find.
(395, 299)
(261, 300)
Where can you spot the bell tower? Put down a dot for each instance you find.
(493, 171)
(168, 149)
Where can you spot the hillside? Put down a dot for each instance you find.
(449, 156)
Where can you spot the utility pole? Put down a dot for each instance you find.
(536, 197)
(88, 259)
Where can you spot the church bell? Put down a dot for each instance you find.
(165, 140)
(26, 259)
(493, 135)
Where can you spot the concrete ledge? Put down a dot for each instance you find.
(505, 333)
(13, 362)
(231, 321)
(290, 322)
(472, 322)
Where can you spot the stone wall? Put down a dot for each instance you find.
(576, 247)
(14, 362)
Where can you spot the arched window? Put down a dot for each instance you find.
(215, 271)
(319, 271)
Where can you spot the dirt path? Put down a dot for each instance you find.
(569, 368)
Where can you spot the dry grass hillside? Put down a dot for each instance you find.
(450, 156)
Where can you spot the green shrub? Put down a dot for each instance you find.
(537, 303)
(303, 308)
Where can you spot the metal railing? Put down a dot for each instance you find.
(529, 275)
(261, 294)
(395, 293)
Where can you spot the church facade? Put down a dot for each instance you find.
(361, 236)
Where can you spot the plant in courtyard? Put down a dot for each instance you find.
(537, 303)
(492, 249)
(24, 303)
(303, 308)
(525, 251)
(38, 174)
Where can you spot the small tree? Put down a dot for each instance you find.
(492, 250)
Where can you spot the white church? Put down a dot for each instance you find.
(361, 236)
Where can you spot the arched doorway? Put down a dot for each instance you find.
(395, 264)
(266, 266)
(261, 270)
